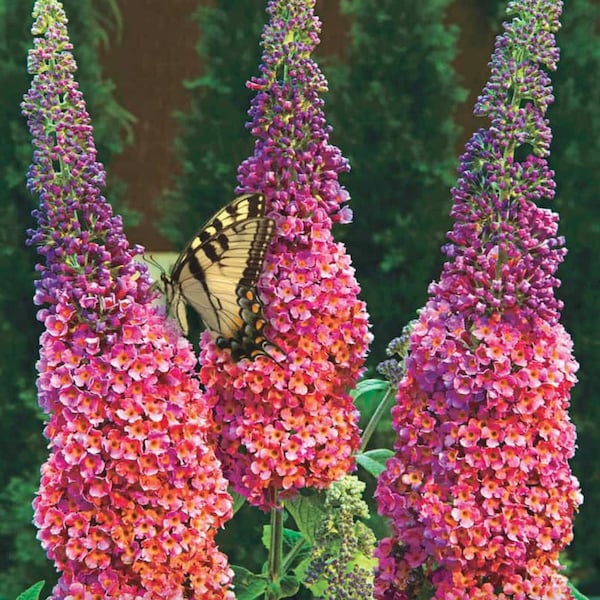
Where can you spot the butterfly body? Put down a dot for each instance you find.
(217, 273)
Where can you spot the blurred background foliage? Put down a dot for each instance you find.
(394, 95)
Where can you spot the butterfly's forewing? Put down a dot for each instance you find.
(219, 269)
(214, 270)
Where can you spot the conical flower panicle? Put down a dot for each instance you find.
(285, 426)
(480, 494)
(131, 495)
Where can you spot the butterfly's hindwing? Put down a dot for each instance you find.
(217, 274)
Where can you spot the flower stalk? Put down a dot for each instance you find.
(275, 559)
(479, 493)
(283, 427)
(132, 495)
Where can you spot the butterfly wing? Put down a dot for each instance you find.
(217, 273)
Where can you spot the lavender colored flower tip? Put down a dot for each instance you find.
(82, 241)
(527, 43)
(505, 249)
(288, 41)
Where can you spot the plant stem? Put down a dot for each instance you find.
(275, 550)
(292, 554)
(383, 407)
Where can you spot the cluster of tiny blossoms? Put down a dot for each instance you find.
(291, 424)
(479, 493)
(341, 559)
(131, 495)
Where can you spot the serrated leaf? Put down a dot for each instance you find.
(307, 512)
(32, 593)
(576, 593)
(373, 461)
(248, 585)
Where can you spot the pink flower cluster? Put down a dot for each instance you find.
(479, 493)
(288, 425)
(132, 495)
(480, 484)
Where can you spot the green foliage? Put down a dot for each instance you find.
(330, 552)
(248, 585)
(308, 511)
(21, 444)
(32, 593)
(373, 461)
(391, 106)
(341, 561)
(577, 595)
(213, 138)
(575, 156)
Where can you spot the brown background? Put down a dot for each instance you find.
(155, 52)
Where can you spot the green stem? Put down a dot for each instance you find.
(275, 550)
(292, 554)
(383, 407)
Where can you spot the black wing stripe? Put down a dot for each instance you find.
(218, 271)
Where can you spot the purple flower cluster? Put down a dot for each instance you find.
(131, 495)
(479, 493)
(291, 425)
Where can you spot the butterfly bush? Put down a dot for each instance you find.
(131, 495)
(479, 493)
(290, 424)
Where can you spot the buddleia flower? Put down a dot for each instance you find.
(479, 494)
(289, 423)
(131, 495)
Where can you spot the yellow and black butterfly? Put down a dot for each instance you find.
(217, 272)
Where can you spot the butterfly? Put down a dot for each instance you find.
(217, 272)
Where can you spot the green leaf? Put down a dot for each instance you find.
(373, 461)
(307, 512)
(283, 588)
(368, 395)
(368, 387)
(289, 585)
(368, 563)
(238, 500)
(33, 593)
(248, 585)
(290, 537)
(576, 593)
